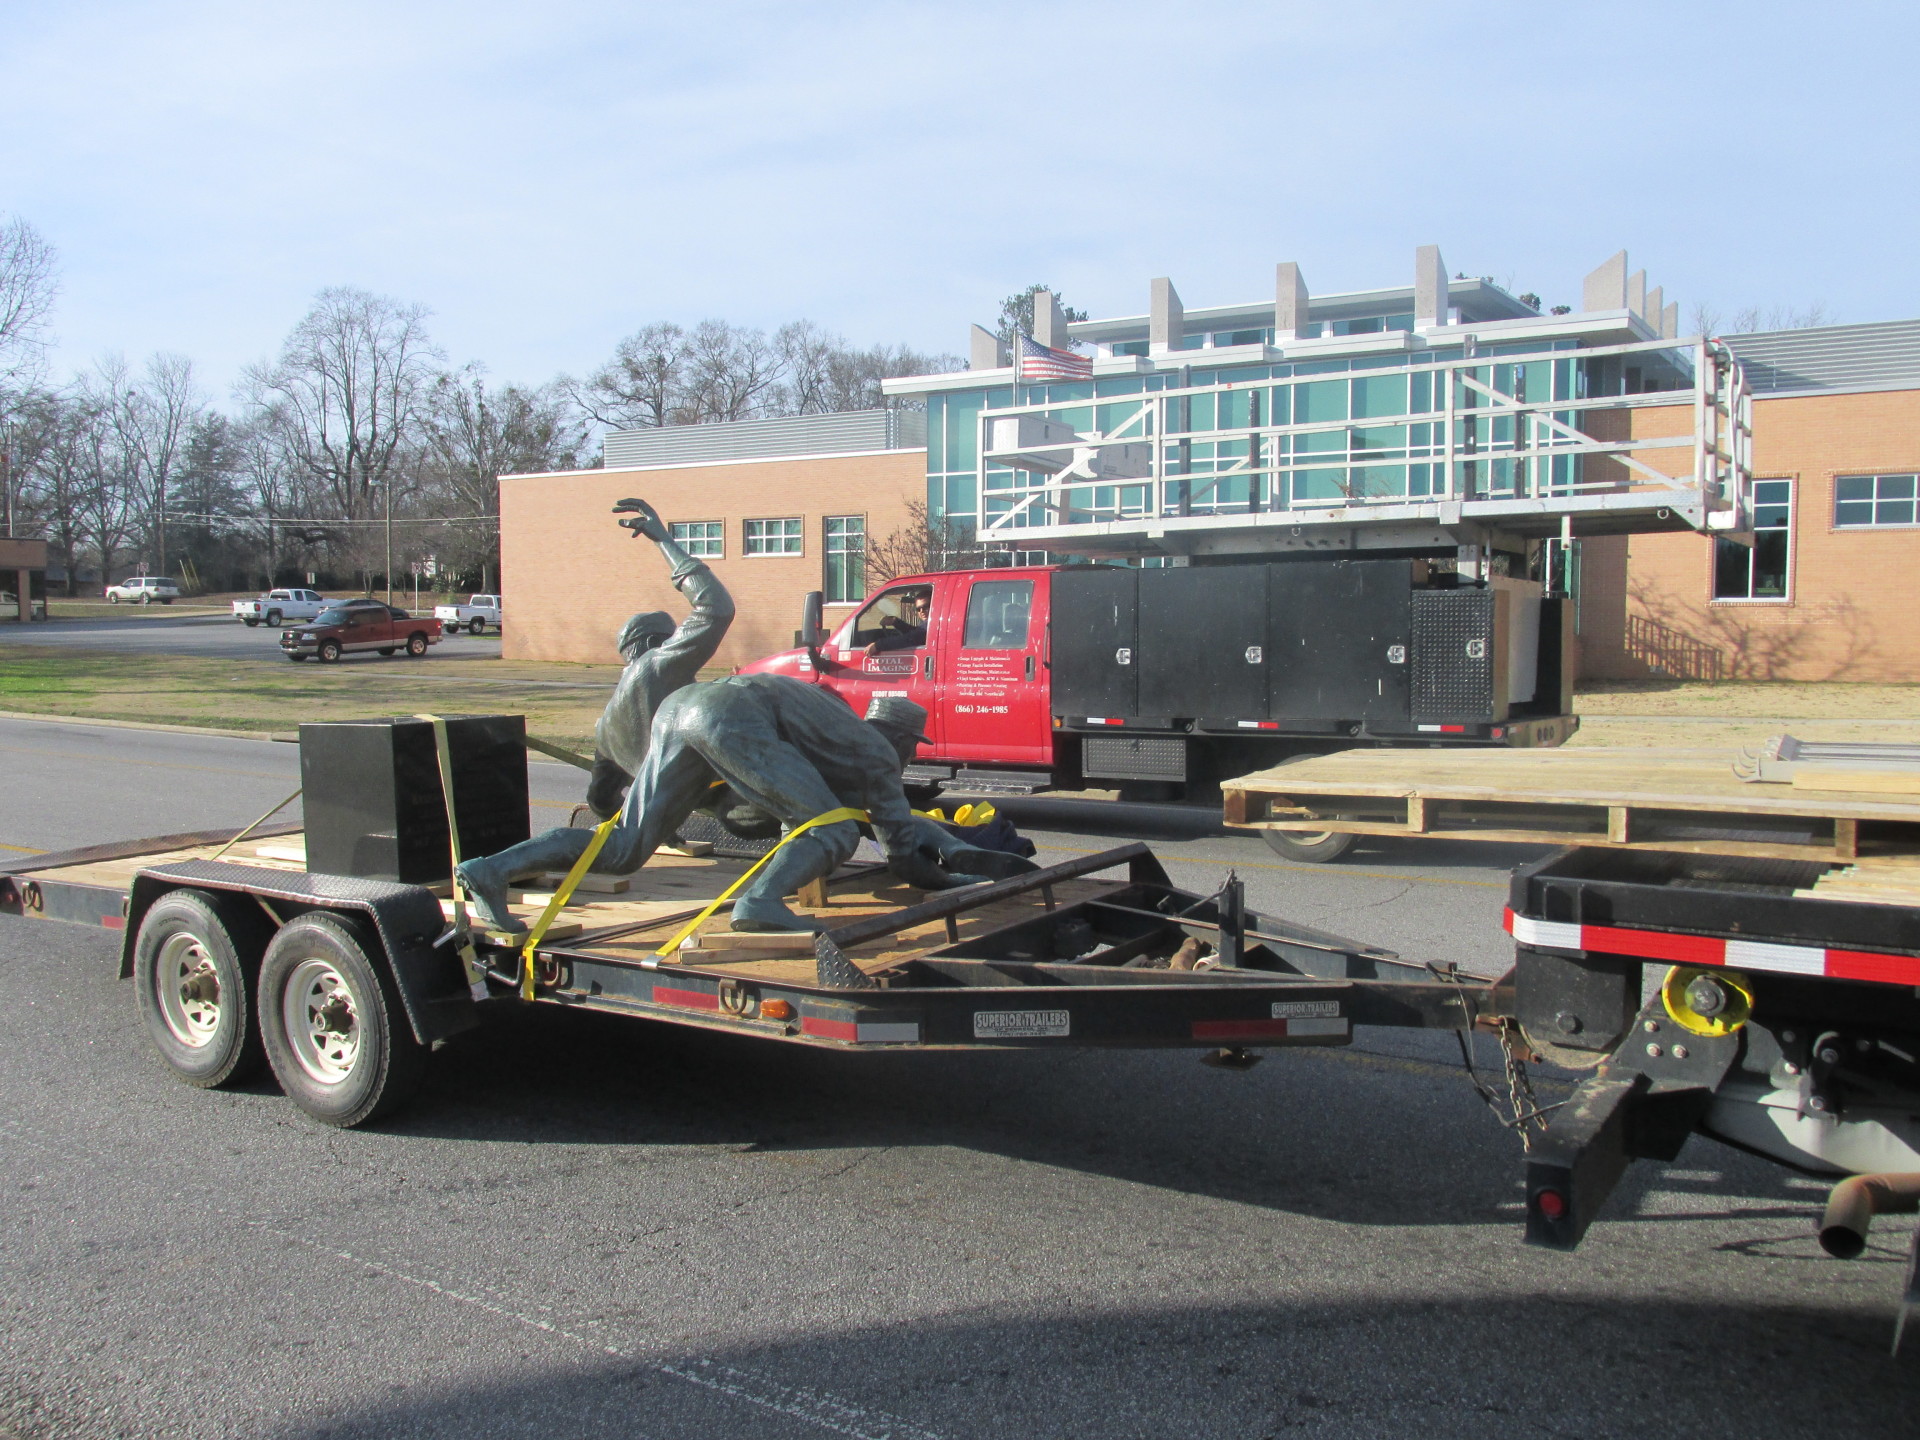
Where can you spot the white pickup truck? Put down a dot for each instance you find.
(278, 606)
(477, 614)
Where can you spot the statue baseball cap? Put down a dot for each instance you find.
(648, 622)
(896, 712)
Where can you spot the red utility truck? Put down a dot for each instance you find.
(1163, 682)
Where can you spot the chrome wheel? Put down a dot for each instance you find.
(322, 1025)
(188, 989)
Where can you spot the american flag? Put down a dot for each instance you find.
(1038, 362)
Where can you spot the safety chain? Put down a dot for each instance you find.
(1518, 1109)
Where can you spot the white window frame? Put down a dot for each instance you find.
(1713, 561)
(716, 537)
(1876, 477)
(828, 553)
(797, 534)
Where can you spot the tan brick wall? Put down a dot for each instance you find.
(1849, 615)
(571, 576)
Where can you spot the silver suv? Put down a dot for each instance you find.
(143, 590)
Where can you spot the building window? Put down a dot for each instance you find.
(846, 551)
(702, 539)
(1758, 571)
(1862, 500)
(773, 537)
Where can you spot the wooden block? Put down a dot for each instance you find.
(813, 895)
(281, 850)
(1859, 782)
(589, 883)
(771, 944)
(1619, 824)
(692, 848)
(1846, 839)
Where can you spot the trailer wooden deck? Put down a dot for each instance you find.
(1673, 800)
(657, 901)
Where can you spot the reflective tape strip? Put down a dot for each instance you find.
(1707, 950)
(889, 1032)
(1782, 959)
(685, 999)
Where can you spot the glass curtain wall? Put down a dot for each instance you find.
(1379, 437)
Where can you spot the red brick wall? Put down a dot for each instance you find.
(571, 576)
(1851, 592)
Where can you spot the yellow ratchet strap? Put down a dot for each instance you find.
(463, 936)
(832, 817)
(559, 902)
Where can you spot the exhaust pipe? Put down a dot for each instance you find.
(1855, 1201)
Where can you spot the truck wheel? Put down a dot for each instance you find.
(112, 599)
(193, 991)
(273, 619)
(329, 651)
(416, 645)
(476, 625)
(335, 1030)
(1308, 846)
(249, 621)
(146, 598)
(295, 656)
(386, 649)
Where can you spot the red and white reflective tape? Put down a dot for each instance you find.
(1705, 950)
(862, 1032)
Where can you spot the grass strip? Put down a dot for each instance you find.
(248, 695)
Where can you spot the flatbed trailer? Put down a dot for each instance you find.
(345, 984)
(1688, 993)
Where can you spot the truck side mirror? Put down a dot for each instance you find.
(812, 633)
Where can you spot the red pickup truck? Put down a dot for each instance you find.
(359, 625)
(1166, 681)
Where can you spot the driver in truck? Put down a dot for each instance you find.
(906, 630)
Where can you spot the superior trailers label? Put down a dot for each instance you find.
(1021, 1024)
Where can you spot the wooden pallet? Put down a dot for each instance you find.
(1675, 800)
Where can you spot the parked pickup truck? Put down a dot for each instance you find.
(278, 605)
(477, 614)
(357, 625)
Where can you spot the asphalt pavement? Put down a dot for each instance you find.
(594, 1227)
(217, 636)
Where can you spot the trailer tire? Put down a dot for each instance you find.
(192, 979)
(335, 1030)
(1308, 847)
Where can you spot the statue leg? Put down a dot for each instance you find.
(661, 798)
(774, 776)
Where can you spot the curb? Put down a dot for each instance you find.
(138, 725)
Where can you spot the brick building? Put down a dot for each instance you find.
(778, 508)
(1826, 591)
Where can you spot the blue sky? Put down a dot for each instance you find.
(547, 177)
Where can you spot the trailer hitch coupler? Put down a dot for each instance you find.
(1855, 1201)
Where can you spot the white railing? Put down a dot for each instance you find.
(1488, 446)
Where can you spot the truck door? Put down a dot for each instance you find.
(1094, 639)
(887, 649)
(990, 667)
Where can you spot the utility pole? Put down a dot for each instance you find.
(389, 493)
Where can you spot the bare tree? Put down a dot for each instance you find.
(642, 386)
(733, 373)
(345, 397)
(27, 290)
(154, 417)
(1751, 318)
(926, 543)
(474, 435)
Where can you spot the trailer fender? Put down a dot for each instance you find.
(406, 918)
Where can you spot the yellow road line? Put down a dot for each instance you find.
(23, 849)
